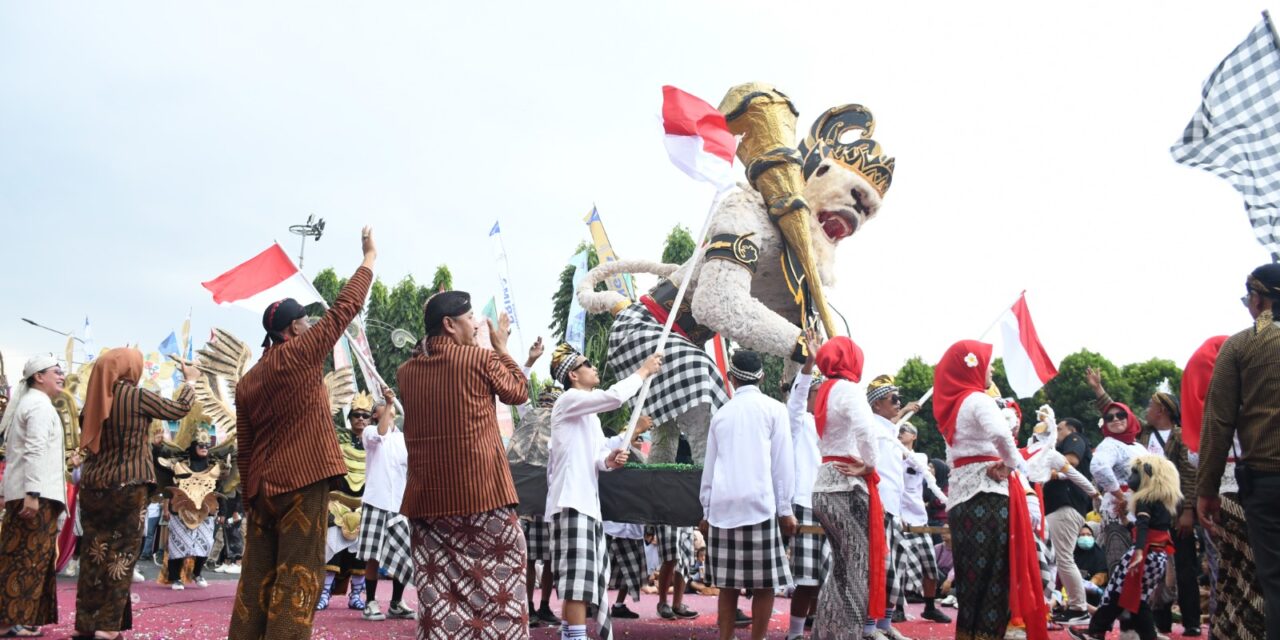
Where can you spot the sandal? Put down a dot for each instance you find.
(20, 631)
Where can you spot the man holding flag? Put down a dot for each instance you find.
(287, 455)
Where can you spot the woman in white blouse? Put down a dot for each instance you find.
(842, 501)
(984, 516)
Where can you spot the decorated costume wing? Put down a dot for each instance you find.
(223, 360)
(341, 385)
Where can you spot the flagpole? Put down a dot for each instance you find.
(691, 267)
(929, 394)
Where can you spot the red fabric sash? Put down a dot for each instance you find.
(67, 537)
(1131, 592)
(964, 462)
(1026, 595)
(879, 546)
(660, 314)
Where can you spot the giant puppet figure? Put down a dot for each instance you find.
(770, 251)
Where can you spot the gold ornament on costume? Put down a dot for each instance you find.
(341, 384)
(355, 460)
(345, 510)
(194, 498)
(828, 138)
(362, 402)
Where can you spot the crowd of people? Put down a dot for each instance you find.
(822, 498)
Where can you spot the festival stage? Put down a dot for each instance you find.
(199, 614)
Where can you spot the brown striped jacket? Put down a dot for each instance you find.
(457, 464)
(284, 432)
(124, 449)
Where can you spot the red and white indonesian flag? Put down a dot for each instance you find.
(1025, 361)
(698, 138)
(265, 278)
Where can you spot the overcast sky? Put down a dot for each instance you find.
(148, 146)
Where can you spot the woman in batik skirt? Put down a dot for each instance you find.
(577, 453)
(846, 498)
(809, 552)
(986, 508)
(116, 481)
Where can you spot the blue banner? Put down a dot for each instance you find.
(575, 326)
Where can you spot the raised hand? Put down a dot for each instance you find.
(367, 246)
(535, 352)
(652, 365)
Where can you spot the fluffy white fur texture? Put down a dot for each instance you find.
(603, 301)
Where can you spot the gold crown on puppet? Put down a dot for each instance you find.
(362, 402)
(562, 361)
(862, 155)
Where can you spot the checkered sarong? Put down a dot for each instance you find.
(1152, 575)
(893, 567)
(629, 565)
(582, 563)
(537, 533)
(810, 553)
(748, 557)
(384, 536)
(918, 562)
(689, 376)
(675, 544)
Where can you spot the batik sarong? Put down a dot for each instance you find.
(28, 551)
(843, 600)
(470, 575)
(980, 543)
(113, 525)
(1239, 612)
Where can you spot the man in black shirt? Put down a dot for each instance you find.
(1065, 506)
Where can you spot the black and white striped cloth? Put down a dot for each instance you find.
(1236, 132)
(893, 567)
(749, 557)
(582, 563)
(537, 534)
(629, 565)
(810, 553)
(918, 562)
(689, 376)
(385, 537)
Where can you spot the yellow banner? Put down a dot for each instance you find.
(620, 283)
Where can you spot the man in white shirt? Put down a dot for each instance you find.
(886, 404)
(35, 495)
(748, 490)
(577, 453)
(920, 565)
(384, 533)
(810, 552)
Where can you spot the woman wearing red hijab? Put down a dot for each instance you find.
(845, 499)
(1110, 470)
(997, 573)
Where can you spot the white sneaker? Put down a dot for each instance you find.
(177, 586)
(949, 601)
(201, 582)
(72, 569)
(137, 576)
(373, 612)
(894, 634)
(220, 569)
(234, 569)
(1014, 633)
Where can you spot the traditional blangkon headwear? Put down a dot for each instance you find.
(1195, 386)
(841, 359)
(746, 366)
(563, 361)
(962, 371)
(880, 387)
(446, 304)
(1169, 403)
(34, 365)
(549, 395)
(277, 317)
(362, 402)
(111, 367)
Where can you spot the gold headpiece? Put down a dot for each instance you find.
(884, 380)
(362, 402)
(202, 436)
(862, 155)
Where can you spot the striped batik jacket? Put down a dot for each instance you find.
(124, 448)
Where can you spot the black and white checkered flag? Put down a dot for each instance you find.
(1236, 132)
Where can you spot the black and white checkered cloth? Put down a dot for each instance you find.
(810, 553)
(676, 544)
(1236, 132)
(893, 567)
(582, 563)
(918, 562)
(689, 376)
(748, 557)
(537, 533)
(1152, 575)
(629, 565)
(385, 537)
(1048, 568)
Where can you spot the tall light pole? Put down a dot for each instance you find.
(313, 228)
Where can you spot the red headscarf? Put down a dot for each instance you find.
(1195, 386)
(1133, 426)
(962, 371)
(839, 359)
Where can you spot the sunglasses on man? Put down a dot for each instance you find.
(361, 416)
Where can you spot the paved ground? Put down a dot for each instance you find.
(161, 613)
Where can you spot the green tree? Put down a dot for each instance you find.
(1070, 396)
(442, 280)
(1144, 379)
(679, 246)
